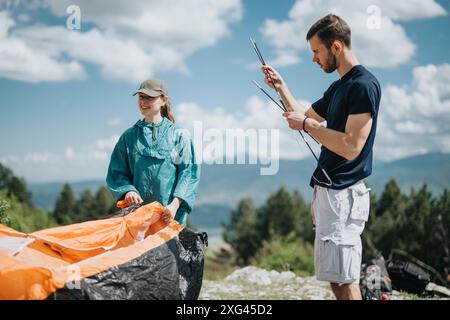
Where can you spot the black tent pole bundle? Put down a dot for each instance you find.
(283, 108)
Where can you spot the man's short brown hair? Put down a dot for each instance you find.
(331, 28)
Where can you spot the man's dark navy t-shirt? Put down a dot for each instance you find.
(358, 91)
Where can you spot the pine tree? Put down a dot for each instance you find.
(6, 175)
(86, 207)
(280, 216)
(242, 231)
(65, 206)
(412, 235)
(14, 186)
(104, 203)
(386, 217)
(440, 234)
(303, 215)
(18, 188)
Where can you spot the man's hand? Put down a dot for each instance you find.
(171, 210)
(277, 79)
(133, 198)
(295, 120)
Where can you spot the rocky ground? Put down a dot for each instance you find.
(252, 283)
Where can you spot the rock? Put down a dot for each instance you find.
(254, 275)
(254, 283)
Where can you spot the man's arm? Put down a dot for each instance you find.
(310, 113)
(292, 105)
(288, 98)
(348, 144)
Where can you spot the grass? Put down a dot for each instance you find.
(219, 264)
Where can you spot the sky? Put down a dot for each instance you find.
(66, 93)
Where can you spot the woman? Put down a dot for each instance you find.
(154, 160)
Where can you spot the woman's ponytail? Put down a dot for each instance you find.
(166, 111)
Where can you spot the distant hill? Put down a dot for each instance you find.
(222, 186)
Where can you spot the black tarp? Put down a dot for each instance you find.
(172, 271)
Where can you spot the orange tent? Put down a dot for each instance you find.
(133, 257)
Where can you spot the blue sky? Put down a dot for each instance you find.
(66, 94)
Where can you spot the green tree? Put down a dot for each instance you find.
(14, 186)
(104, 202)
(280, 216)
(412, 234)
(18, 188)
(242, 231)
(286, 253)
(65, 206)
(85, 208)
(386, 217)
(303, 215)
(4, 218)
(23, 218)
(439, 235)
(6, 175)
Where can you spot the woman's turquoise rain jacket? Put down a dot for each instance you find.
(158, 162)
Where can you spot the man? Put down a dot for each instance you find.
(340, 207)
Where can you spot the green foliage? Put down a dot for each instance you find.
(85, 207)
(219, 264)
(417, 224)
(16, 208)
(65, 206)
(279, 214)
(104, 202)
(303, 215)
(24, 218)
(14, 186)
(284, 220)
(286, 253)
(4, 218)
(279, 235)
(69, 209)
(386, 216)
(242, 233)
(440, 233)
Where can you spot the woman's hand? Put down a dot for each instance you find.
(277, 79)
(171, 210)
(133, 198)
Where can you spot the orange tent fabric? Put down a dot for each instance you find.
(33, 266)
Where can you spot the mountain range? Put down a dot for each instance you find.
(222, 186)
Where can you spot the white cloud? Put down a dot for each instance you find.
(20, 61)
(387, 46)
(256, 114)
(128, 42)
(72, 163)
(107, 144)
(414, 119)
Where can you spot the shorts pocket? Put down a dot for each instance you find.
(339, 202)
(351, 262)
(361, 202)
(327, 261)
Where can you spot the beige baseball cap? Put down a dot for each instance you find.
(153, 88)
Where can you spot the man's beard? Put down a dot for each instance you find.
(331, 63)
